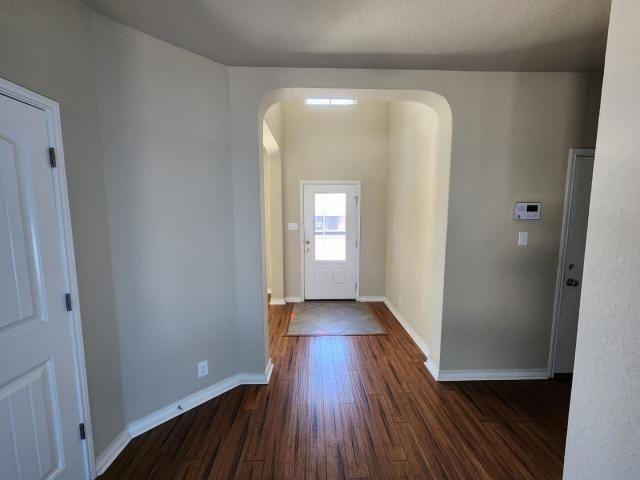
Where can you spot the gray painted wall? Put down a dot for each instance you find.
(603, 439)
(47, 47)
(510, 143)
(164, 115)
(511, 136)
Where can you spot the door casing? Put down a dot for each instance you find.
(54, 127)
(301, 229)
(574, 154)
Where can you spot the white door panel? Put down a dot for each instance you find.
(39, 401)
(16, 301)
(576, 218)
(330, 240)
(29, 426)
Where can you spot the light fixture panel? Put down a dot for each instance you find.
(331, 101)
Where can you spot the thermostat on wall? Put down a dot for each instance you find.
(527, 211)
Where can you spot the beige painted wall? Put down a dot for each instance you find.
(266, 185)
(273, 118)
(273, 121)
(272, 184)
(277, 241)
(164, 116)
(416, 220)
(349, 143)
(603, 438)
(47, 47)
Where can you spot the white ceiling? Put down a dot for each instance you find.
(519, 35)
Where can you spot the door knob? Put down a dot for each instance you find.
(572, 282)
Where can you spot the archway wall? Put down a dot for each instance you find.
(509, 139)
(418, 175)
(272, 195)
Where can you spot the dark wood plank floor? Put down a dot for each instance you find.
(358, 407)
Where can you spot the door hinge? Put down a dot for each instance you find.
(356, 286)
(83, 434)
(52, 157)
(67, 301)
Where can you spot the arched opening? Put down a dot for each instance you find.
(414, 205)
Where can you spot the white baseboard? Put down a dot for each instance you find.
(112, 451)
(370, 299)
(146, 423)
(277, 301)
(463, 375)
(478, 375)
(293, 299)
(407, 326)
(255, 378)
(164, 414)
(267, 372)
(433, 369)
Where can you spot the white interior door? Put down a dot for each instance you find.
(40, 408)
(330, 240)
(575, 235)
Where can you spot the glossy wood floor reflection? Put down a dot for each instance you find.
(358, 407)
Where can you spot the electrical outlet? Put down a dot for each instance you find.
(203, 368)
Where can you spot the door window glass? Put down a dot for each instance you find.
(330, 227)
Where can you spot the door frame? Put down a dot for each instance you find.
(303, 183)
(54, 127)
(574, 154)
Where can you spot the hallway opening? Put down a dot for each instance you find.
(395, 147)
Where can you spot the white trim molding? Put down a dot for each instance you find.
(477, 375)
(164, 414)
(256, 378)
(433, 368)
(112, 451)
(408, 328)
(293, 299)
(277, 301)
(371, 299)
(430, 365)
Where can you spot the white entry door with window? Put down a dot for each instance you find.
(330, 240)
(41, 401)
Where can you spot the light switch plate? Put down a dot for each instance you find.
(203, 368)
(523, 239)
(292, 226)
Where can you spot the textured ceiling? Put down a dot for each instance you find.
(519, 35)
